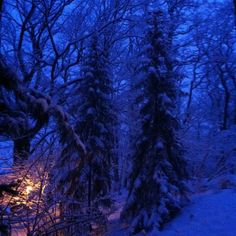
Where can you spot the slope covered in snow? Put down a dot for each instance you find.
(209, 214)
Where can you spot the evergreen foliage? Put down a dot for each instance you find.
(158, 171)
(96, 121)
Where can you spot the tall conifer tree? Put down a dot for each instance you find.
(96, 121)
(158, 170)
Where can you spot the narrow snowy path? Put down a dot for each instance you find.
(209, 214)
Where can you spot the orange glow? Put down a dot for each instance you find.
(29, 189)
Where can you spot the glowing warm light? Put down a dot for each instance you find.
(29, 189)
(30, 198)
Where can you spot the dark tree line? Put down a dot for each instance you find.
(105, 88)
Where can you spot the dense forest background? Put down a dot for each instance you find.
(113, 111)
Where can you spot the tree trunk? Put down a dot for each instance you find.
(187, 113)
(234, 12)
(226, 109)
(1, 10)
(21, 150)
(90, 184)
(226, 98)
(1, 5)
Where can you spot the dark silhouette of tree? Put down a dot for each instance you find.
(159, 170)
(96, 120)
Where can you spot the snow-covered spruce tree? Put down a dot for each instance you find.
(96, 119)
(158, 171)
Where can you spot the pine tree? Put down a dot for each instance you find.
(96, 121)
(158, 170)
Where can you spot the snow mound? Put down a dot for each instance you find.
(211, 214)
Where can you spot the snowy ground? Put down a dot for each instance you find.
(209, 214)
